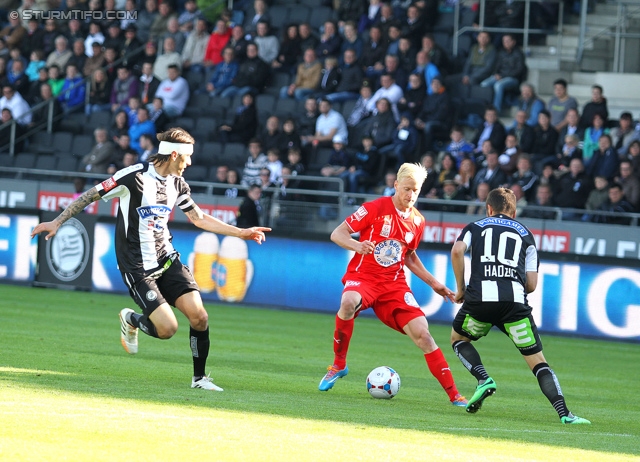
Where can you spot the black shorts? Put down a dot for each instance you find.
(165, 286)
(474, 320)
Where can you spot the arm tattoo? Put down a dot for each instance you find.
(78, 205)
(195, 214)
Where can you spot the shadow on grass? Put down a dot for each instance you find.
(271, 361)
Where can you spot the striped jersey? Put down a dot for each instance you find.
(392, 232)
(143, 240)
(502, 252)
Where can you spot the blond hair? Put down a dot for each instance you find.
(416, 172)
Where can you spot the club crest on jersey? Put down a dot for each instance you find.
(386, 227)
(410, 300)
(360, 213)
(417, 220)
(408, 237)
(387, 253)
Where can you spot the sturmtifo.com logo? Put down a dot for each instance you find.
(68, 251)
(82, 15)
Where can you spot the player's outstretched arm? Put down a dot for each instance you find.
(342, 236)
(77, 206)
(457, 260)
(413, 262)
(212, 224)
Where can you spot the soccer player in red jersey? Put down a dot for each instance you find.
(390, 230)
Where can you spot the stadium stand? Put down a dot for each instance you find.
(73, 137)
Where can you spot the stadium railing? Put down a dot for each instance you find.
(526, 30)
(51, 119)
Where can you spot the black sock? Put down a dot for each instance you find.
(470, 359)
(551, 388)
(199, 341)
(143, 323)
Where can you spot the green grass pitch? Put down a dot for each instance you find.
(68, 391)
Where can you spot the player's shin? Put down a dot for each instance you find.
(440, 370)
(551, 388)
(341, 338)
(470, 358)
(143, 322)
(199, 341)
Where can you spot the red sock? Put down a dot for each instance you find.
(440, 370)
(341, 339)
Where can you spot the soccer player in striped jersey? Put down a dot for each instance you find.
(390, 230)
(149, 264)
(504, 269)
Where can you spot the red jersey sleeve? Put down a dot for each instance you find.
(363, 217)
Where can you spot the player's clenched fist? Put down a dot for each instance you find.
(365, 247)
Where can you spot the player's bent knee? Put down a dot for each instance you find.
(166, 331)
(350, 303)
(200, 320)
(165, 334)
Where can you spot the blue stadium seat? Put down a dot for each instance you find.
(286, 107)
(278, 80)
(210, 154)
(235, 154)
(196, 173)
(62, 142)
(265, 103)
(41, 140)
(46, 162)
(81, 145)
(445, 22)
(299, 14)
(205, 128)
(319, 16)
(279, 16)
(183, 122)
(24, 160)
(67, 163)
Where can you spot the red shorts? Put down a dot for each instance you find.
(392, 302)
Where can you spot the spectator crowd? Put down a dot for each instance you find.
(358, 87)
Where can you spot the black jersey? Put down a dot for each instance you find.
(143, 240)
(502, 251)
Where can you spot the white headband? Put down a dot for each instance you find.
(167, 147)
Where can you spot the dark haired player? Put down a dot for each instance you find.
(149, 264)
(504, 269)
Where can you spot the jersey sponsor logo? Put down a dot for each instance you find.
(151, 211)
(351, 284)
(67, 253)
(109, 184)
(360, 213)
(151, 295)
(386, 227)
(388, 252)
(410, 300)
(409, 237)
(520, 229)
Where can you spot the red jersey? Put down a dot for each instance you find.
(380, 222)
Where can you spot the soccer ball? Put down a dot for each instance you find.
(383, 382)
